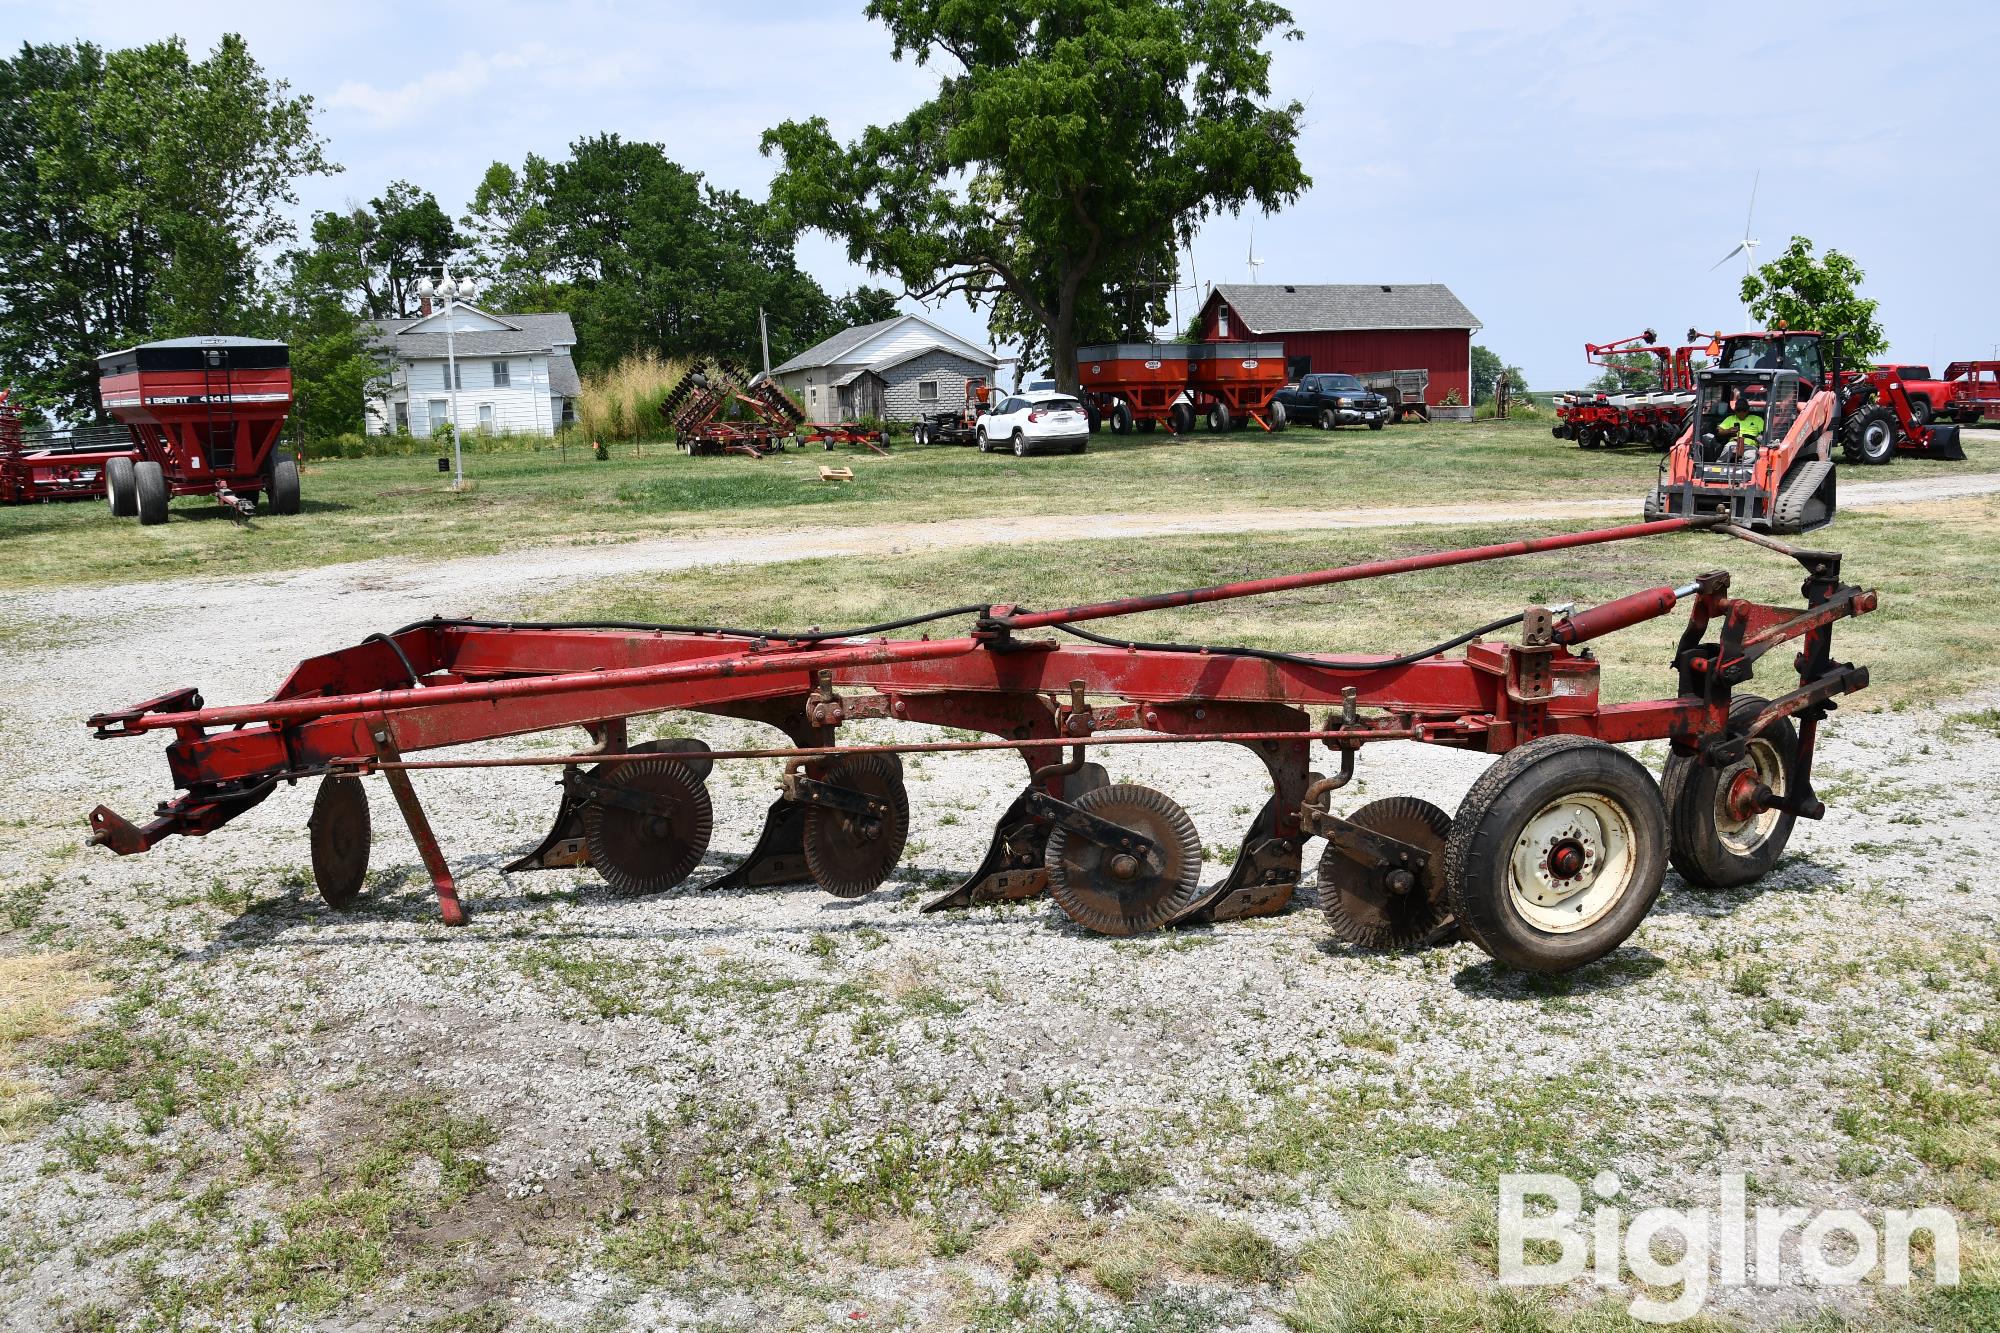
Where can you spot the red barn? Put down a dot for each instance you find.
(1352, 327)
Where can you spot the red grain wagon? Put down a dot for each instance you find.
(1238, 382)
(205, 415)
(1139, 384)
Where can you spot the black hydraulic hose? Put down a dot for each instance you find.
(646, 626)
(1295, 659)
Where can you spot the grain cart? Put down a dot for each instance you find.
(1236, 383)
(1139, 385)
(38, 465)
(204, 415)
(1551, 861)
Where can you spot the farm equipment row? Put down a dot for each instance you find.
(718, 408)
(1138, 386)
(1654, 418)
(1551, 861)
(197, 416)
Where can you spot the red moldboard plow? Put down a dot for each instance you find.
(1553, 859)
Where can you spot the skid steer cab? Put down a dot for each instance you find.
(1757, 449)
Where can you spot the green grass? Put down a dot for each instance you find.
(1933, 568)
(361, 508)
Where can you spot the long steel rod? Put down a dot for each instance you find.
(867, 654)
(1358, 735)
(1126, 606)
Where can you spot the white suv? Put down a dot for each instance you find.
(1038, 419)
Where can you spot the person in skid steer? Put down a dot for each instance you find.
(1744, 426)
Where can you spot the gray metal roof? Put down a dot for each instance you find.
(562, 377)
(832, 349)
(533, 333)
(1270, 307)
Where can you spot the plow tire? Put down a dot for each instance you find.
(640, 852)
(847, 855)
(1558, 803)
(1084, 878)
(150, 492)
(1871, 436)
(121, 488)
(1710, 845)
(284, 484)
(1358, 905)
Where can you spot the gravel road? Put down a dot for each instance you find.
(793, 1023)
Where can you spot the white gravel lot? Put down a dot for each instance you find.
(828, 1024)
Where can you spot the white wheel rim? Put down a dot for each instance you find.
(1589, 827)
(1744, 836)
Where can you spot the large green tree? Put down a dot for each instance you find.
(1810, 292)
(1070, 144)
(141, 189)
(380, 251)
(645, 255)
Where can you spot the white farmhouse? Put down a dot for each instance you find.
(515, 375)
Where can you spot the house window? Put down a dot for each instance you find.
(812, 396)
(440, 413)
(927, 391)
(1222, 321)
(486, 417)
(402, 418)
(500, 374)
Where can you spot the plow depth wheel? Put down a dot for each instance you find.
(340, 835)
(1718, 837)
(851, 854)
(648, 825)
(1389, 908)
(1557, 853)
(1111, 892)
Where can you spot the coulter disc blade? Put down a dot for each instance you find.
(340, 837)
(1116, 894)
(849, 854)
(653, 831)
(1361, 902)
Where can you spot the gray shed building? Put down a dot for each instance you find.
(896, 369)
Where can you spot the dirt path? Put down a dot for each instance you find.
(365, 596)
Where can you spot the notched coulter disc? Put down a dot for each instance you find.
(851, 854)
(1361, 902)
(1114, 893)
(651, 830)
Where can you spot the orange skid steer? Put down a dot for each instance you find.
(1776, 476)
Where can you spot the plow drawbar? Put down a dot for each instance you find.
(1553, 858)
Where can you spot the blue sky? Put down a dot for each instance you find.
(1571, 170)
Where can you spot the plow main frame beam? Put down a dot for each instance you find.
(442, 684)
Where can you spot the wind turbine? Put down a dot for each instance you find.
(1255, 263)
(1747, 247)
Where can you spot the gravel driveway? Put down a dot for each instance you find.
(603, 1049)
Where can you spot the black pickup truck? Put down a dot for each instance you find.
(1332, 400)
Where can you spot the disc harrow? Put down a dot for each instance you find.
(1553, 859)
